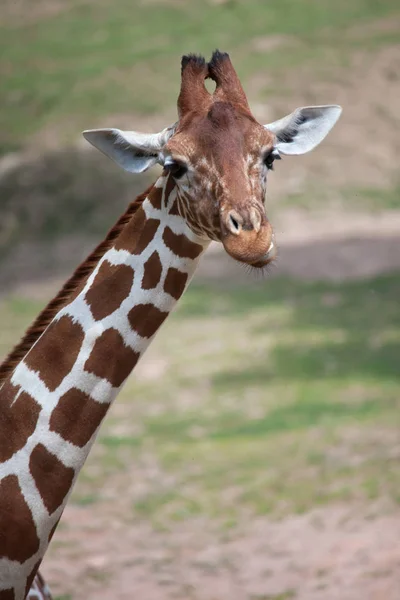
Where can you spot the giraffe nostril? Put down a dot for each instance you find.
(234, 222)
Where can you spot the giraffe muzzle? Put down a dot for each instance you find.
(248, 238)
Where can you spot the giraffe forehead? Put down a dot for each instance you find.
(222, 134)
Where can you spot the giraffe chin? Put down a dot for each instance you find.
(256, 249)
(268, 257)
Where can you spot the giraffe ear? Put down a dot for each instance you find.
(304, 129)
(135, 152)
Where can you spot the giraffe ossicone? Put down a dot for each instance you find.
(58, 383)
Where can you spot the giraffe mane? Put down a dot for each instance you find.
(61, 299)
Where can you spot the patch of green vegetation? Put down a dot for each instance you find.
(20, 307)
(226, 479)
(365, 199)
(60, 193)
(320, 306)
(272, 398)
(15, 315)
(283, 596)
(375, 198)
(85, 500)
(118, 441)
(280, 414)
(169, 503)
(99, 58)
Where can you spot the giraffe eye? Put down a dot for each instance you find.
(177, 169)
(270, 158)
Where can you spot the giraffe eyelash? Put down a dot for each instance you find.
(176, 169)
(270, 158)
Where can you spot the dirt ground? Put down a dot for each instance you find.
(346, 552)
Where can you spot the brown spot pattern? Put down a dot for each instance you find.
(111, 359)
(175, 282)
(169, 186)
(175, 208)
(53, 479)
(146, 236)
(54, 356)
(7, 594)
(111, 286)
(17, 420)
(181, 245)
(137, 235)
(77, 416)
(130, 233)
(18, 537)
(152, 272)
(155, 197)
(146, 319)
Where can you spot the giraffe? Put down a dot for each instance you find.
(58, 383)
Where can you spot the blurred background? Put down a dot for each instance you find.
(255, 452)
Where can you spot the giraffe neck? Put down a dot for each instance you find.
(53, 404)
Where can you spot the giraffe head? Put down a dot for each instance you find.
(219, 156)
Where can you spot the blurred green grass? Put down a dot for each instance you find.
(367, 199)
(93, 59)
(63, 193)
(375, 198)
(268, 399)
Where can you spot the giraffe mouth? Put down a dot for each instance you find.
(268, 257)
(272, 251)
